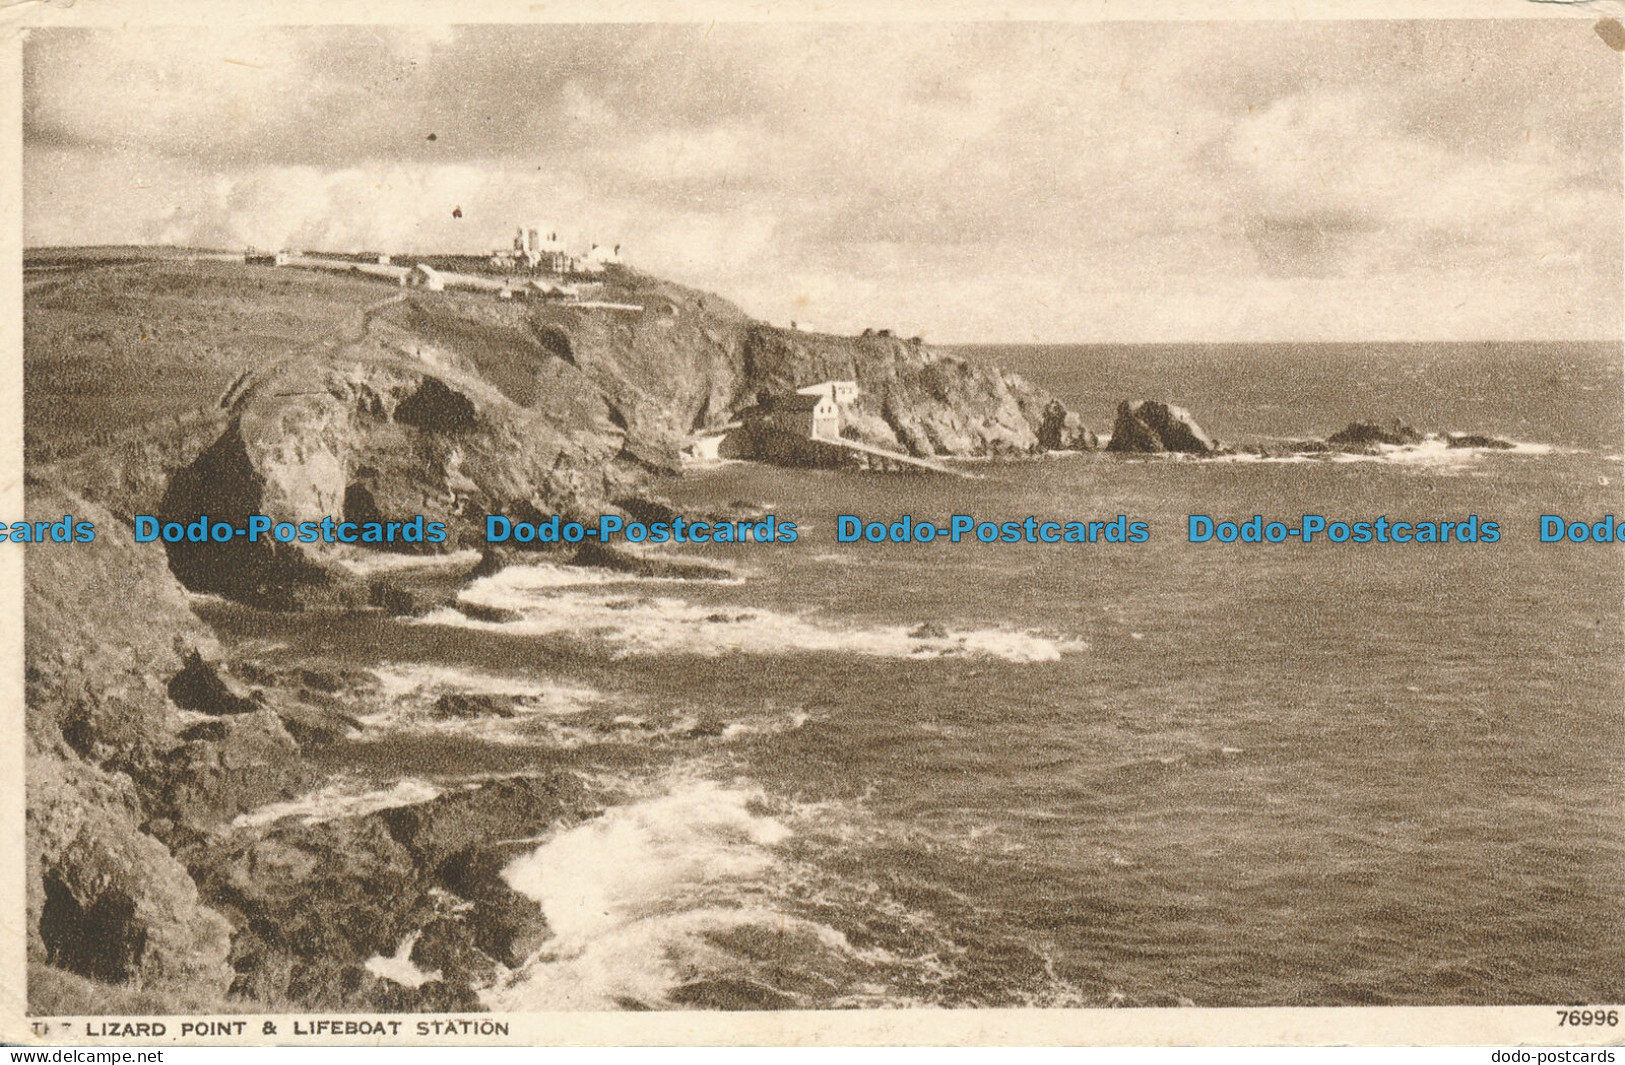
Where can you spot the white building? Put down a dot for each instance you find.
(598, 257)
(801, 414)
(424, 276)
(841, 392)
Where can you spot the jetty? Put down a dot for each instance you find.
(868, 457)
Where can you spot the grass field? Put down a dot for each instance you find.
(114, 338)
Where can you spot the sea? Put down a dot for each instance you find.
(1077, 775)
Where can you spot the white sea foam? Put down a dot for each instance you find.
(400, 680)
(667, 625)
(389, 562)
(399, 968)
(790, 724)
(1434, 451)
(409, 693)
(337, 799)
(537, 576)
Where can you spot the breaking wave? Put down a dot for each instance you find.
(409, 695)
(341, 798)
(1433, 452)
(635, 623)
(368, 563)
(663, 903)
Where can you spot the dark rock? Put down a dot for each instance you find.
(447, 946)
(108, 901)
(202, 687)
(1154, 427)
(359, 505)
(1477, 440)
(324, 680)
(316, 726)
(204, 730)
(647, 511)
(613, 558)
(930, 630)
(516, 807)
(468, 704)
(437, 407)
(1062, 430)
(503, 923)
(394, 600)
(653, 456)
(239, 763)
(1394, 432)
(314, 902)
(493, 559)
(340, 890)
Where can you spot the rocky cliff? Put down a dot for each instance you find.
(107, 627)
(456, 406)
(688, 361)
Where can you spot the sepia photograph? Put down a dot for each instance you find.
(814, 519)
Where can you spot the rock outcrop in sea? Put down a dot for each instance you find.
(1362, 434)
(1062, 430)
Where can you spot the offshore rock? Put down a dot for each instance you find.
(460, 705)
(601, 556)
(496, 615)
(1477, 440)
(1150, 426)
(1394, 432)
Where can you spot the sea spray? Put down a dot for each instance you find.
(646, 624)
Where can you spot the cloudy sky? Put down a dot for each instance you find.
(971, 182)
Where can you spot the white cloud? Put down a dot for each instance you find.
(970, 182)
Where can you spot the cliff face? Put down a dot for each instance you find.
(143, 741)
(456, 406)
(688, 361)
(912, 397)
(374, 437)
(107, 626)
